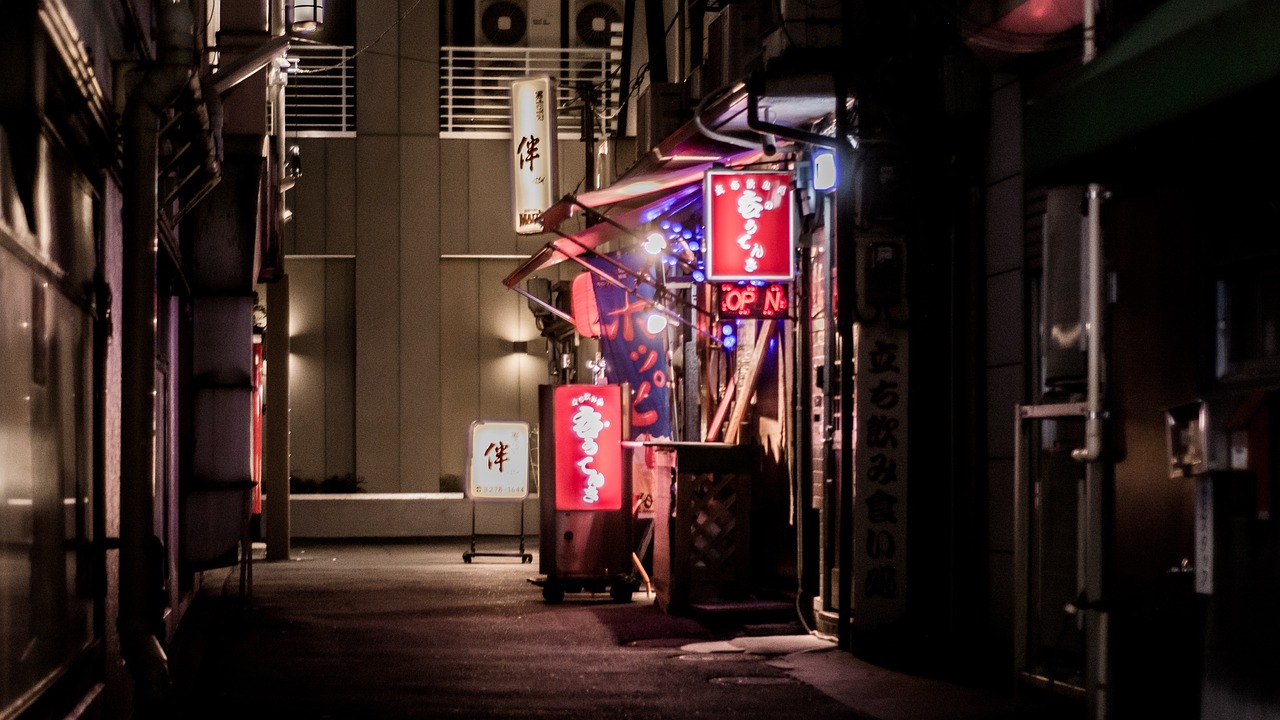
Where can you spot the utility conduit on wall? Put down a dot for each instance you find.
(138, 615)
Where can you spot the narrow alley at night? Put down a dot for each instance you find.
(868, 359)
(374, 631)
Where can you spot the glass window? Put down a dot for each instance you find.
(46, 441)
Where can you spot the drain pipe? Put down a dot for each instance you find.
(1092, 449)
(139, 617)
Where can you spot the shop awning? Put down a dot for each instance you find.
(670, 175)
(1184, 56)
(594, 236)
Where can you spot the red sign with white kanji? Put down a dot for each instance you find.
(750, 226)
(588, 438)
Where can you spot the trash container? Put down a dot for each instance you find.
(585, 492)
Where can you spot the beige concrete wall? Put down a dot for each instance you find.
(416, 332)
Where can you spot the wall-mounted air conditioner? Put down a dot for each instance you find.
(806, 25)
(662, 108)
(590, 22)
(518, 23)
(733, 47)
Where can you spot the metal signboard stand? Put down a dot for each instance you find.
(497, 471)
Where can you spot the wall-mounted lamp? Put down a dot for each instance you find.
(824, 170)
(304, 16)
(520, 347)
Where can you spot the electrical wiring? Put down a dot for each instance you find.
(362, 50)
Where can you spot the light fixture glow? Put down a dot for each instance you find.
(655, 323)
(304, 16)
(655, 243)
(824, 170)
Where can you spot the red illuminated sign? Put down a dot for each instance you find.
(751, 301)
(750, 230)
(588, 437)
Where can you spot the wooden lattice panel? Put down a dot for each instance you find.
(713, 533)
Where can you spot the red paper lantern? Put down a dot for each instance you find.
(586, 315)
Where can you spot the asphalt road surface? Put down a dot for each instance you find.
(408, 630)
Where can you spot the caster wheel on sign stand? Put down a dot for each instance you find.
(621, 592)
(553, 594)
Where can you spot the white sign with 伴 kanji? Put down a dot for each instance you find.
(497, 460)
(533, 152)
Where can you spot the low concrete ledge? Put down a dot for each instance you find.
(391, 515)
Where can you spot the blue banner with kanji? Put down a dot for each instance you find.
(632, 352)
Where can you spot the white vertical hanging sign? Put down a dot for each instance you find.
(534, 186)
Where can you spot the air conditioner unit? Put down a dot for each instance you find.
(733, 46)
(590, 22)
(518, 23)
(663, 108)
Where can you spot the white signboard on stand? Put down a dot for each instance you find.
(497, 461)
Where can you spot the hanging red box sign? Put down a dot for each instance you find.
(588, 438)
(768, 301)
(750, 226)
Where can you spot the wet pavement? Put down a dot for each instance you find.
(409, 630)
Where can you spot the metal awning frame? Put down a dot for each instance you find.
(663, 295)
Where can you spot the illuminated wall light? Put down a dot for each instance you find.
(699, 276)
(729, 342)
(824, 171)
(304, 16)
(655, 323)
(727, 329)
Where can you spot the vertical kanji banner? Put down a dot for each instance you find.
(533, 151)
(633, 353)
(880, 485)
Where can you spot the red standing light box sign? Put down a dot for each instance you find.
(588, 437)
(750, 225)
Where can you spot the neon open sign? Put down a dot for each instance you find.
(752, 301)
(749, 221)
(588, 439)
